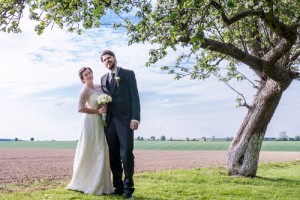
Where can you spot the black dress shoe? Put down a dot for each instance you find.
(119, 192)
(128, 195)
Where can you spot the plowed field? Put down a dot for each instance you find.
(19, 165)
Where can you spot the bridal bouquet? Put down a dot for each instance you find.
(103, 100)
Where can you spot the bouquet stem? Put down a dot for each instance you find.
(103, 120)
(103, 116)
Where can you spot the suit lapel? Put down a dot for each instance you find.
(106, 77)
(104, 82)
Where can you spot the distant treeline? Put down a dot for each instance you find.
(7, 139)
(163, 138)
(16, 139)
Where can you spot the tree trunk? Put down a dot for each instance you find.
(243, 153)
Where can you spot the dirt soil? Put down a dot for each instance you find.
(22, 165)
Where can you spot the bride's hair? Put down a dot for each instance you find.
(81, 70)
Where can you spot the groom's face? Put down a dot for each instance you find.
(109, 61)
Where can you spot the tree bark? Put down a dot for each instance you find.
(243, 153)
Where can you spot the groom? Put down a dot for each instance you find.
(123, 117)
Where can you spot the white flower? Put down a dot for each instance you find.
(267, 9)
(117, 79)
(249, 4)
(104, 99)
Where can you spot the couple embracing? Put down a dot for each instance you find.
(102, 150)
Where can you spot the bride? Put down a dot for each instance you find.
(91, 169)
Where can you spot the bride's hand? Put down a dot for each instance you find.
(102, 110)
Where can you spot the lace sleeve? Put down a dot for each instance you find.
(98, 88)
(83, 95)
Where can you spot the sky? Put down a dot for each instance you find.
(39, 89)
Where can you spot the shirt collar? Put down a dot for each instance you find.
(114, 70)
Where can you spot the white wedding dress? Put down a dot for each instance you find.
(91, 169)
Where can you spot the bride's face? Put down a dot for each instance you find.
(88, 76)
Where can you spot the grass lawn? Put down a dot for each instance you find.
(159, 145)
(273, 181)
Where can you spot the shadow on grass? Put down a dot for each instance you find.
(279, 180)
(139, 198)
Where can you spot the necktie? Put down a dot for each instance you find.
(112, 77)
(111, 83)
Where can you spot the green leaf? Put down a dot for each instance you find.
(230, 4)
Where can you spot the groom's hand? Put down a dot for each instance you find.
(134, 125)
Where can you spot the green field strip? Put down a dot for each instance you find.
(159, 145)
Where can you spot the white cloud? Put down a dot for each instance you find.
(39, 88)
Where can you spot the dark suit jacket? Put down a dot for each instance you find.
(125, 98)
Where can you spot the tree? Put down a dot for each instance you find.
(152, 137)
(290, 139)
(32, 139)
(213, 138)
(282, 135)
(16, 139)
(260, 35)
(162, 138)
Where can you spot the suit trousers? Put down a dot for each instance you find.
(120, 140)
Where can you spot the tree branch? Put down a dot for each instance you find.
(239, 94)
(282, 30)
(295, 56)
(295, 25)
(236, 53)
(283, 46)
(241, 15)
